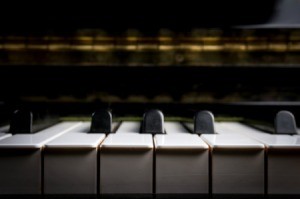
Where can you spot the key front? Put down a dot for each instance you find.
(236, 161)
(71, 160)
(21, 159)
(126, 161)
(283, 155)
(182, 162)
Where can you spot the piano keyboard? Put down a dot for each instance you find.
(152, 157)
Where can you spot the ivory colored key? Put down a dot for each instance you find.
(4, 135)
(237, 164)
(182, 161)
(129, 127)
(4, 132)
(70, 161)
(21, 159)
(237, 161)
(223, 128)
(126, 161)
(175, 128)
(283, 158)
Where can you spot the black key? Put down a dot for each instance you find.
(21, 122)
(153, 122)
(285, 123)
(101, 122)
(204, 123)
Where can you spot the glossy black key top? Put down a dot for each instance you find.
(21, 122)
(101, 122)
(153, 122)
(204, 123)
(285, 123)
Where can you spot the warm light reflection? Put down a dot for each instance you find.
(165, 47)
(161, 43)
(278, 47)
(125, 47)
(294, 46)
(212, 47)
(108, 47)
(59, 47)
(13, 46)
(257, 47)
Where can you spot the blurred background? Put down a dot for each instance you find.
(236, 58)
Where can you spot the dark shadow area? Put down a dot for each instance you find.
(147, 15)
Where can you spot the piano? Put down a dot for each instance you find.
(150, 100)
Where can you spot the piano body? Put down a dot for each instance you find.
(189, 100)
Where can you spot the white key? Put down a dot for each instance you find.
(4, 132)
(190, 126)
(129, 127)
(70, 162)
(4, 135)
(283, 157)
(126, 161)
(222, 128)
(175, 128)
(237, 164)
(21, 159)
(182, 161)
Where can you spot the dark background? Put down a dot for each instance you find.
(120, 15)
(259, 91)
